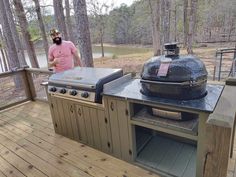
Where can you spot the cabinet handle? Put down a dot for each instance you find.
(79, 111)
(71, 109)
(130, 152)
(56, 125)
(112, 106)
(105, 120)
(108, 144)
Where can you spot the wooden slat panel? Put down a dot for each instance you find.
(19, 163)
(123, 130)
(67, 118)
(81, 123)
(103, 131)
(73, 119)
(88, 125)
(59, 109)
(55, 116)
(108, 127)
(95, 128)
(112, 107)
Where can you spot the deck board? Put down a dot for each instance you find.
(29, 147)
(28, 128)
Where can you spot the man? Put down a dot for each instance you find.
(61, 53)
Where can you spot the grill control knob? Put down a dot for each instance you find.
(53, 89)
(73, 92)
(85, 94)
(63, 91)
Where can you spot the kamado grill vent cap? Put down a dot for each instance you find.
(185, 79)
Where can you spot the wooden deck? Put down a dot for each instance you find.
(29, 147)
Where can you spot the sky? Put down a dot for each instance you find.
(116, 3)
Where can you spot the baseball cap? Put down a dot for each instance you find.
(54, 32)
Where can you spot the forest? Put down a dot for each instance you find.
(25, 26)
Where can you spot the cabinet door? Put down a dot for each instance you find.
(105, 131)
(67, 119)
(118, 115)
(95, 128)
(73, 119)
(79, 115)
(54, 114)
(88, 126)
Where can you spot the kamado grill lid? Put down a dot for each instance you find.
(174, 76)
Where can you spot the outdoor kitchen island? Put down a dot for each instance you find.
(169, 147)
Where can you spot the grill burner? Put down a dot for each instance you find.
(82, 83)
(185, 78)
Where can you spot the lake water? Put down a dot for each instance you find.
(109, 52)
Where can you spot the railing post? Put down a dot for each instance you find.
(29, 85)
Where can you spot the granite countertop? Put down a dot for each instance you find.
(130, 90)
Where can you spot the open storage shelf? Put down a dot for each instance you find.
(145, 119)
(168, 156)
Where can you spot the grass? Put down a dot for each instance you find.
(132, 63)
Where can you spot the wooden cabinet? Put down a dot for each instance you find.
(120, 128)
(81, 121)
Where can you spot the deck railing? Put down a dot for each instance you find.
(21, 85)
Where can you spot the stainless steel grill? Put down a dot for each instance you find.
(82, 83)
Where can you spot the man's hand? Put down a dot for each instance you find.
(77, 61)
(53, 63)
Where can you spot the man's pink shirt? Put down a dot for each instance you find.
(64, 54)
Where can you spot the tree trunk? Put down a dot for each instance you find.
(192, 25)
(60, 18)
(175, 22)
(185, 20)
(24, 28)
(3, 41)
(11, 48)
(155, 17)
(15, 35)
(41, 25)
(101, 38)
(166, 21)
(83, 32)
(68, 23)
(4, 61)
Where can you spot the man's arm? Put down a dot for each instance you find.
(77, 59)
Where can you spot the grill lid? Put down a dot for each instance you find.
(85, 77)
(181, 68)
(173, 76)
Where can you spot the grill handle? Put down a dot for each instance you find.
(186, 83)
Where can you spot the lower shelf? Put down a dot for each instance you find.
(169, 156)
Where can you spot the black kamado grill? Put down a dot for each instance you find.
(173, 76)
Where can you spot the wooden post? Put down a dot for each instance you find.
(218, 146)
(29, 85)
(220, 133)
